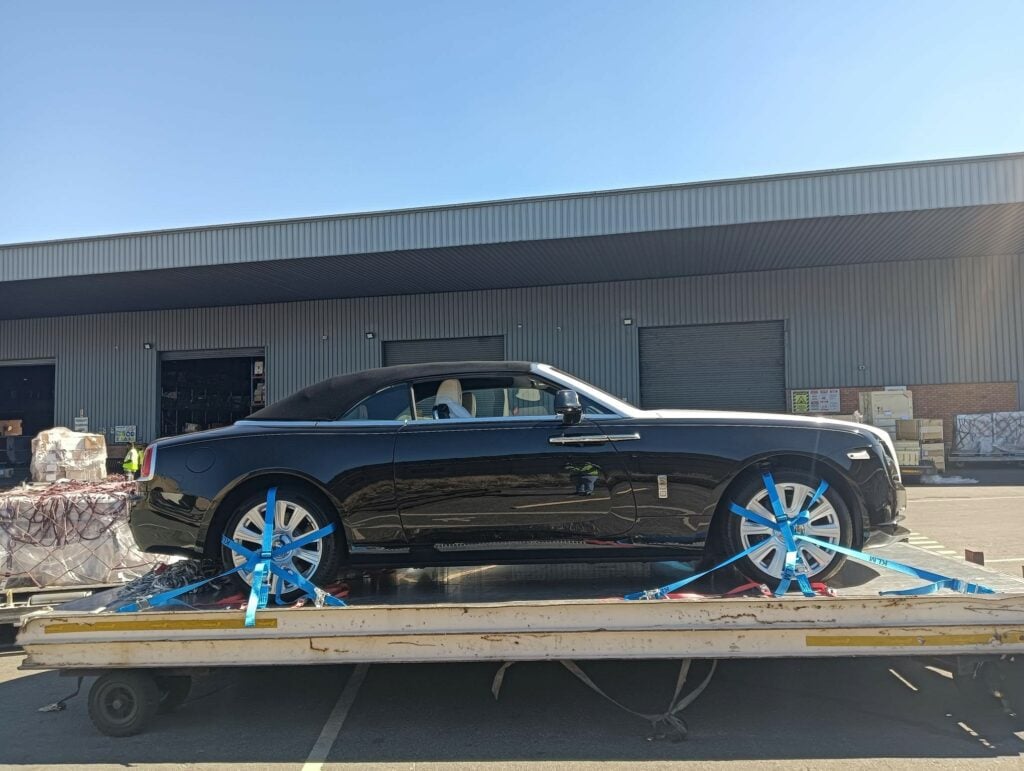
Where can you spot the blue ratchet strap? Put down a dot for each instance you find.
(257, 566)
(784, 526)
(805, 515)
(287, 575)
(938, 581)
(314, 592)
(789, 571)
(318, 593)
(661, 593)
(260, 590)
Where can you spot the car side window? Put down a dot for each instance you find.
(392, 403)
(504, 396)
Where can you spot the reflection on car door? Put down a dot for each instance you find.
(519, 478)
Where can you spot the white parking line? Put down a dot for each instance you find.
(971, 499)
(1006, 559)
(318, 755)
(929, 544)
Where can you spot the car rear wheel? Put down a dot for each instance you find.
(296, 514)
(830, 521)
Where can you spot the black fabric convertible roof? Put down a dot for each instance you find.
(332, 398)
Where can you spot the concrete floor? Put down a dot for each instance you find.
(850, 713)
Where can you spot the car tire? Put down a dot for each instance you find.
(831, 521)
(299, 513)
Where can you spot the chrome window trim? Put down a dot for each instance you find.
(320, 423)
(515, 418)
(399, 423)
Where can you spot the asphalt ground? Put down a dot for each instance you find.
(846, 713)
(987, 516)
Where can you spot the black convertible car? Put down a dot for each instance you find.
(483, 462)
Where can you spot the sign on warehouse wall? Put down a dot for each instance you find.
(815, 400)
(124, 434)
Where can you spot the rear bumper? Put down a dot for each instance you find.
(156, 532)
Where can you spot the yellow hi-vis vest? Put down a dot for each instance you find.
(131, 460)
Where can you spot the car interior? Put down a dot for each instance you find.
(465, 398)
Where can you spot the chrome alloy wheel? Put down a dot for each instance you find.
(291, 522)
(824, 525)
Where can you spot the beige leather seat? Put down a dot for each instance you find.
(449, 393)
(469, 402)
(533, 404)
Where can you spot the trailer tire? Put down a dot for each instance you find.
(174, 691)
(123, 703)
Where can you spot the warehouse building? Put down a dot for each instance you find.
(727, 294)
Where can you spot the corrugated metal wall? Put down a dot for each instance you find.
(902, 187)
(923, 322)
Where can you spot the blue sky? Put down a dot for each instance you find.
(131, 116)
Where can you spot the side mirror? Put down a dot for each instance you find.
(567, 404)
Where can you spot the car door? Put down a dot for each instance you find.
(496, 465)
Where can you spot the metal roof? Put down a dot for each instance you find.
(927, 210)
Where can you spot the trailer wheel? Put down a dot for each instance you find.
(174, 690)
(123, 703)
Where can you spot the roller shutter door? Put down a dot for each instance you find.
(714, 366)
(490, 348)
(212, 353)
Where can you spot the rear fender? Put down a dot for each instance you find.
(223, 505)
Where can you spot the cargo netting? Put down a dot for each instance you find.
(69, 534)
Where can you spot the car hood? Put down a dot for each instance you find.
(773, 417)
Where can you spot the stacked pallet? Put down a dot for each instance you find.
(919, 442)
(884, 408)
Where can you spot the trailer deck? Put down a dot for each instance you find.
(532, 612)
(15, 603)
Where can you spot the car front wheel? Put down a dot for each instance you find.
(296, 515)
(830, 521)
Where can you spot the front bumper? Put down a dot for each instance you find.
(885, 527)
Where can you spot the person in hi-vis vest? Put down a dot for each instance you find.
(131, 462)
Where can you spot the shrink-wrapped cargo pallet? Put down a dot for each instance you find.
(68, 534)
(60, 453)
(989, 433)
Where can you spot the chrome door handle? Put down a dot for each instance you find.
(581, 439)
(593, 438)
